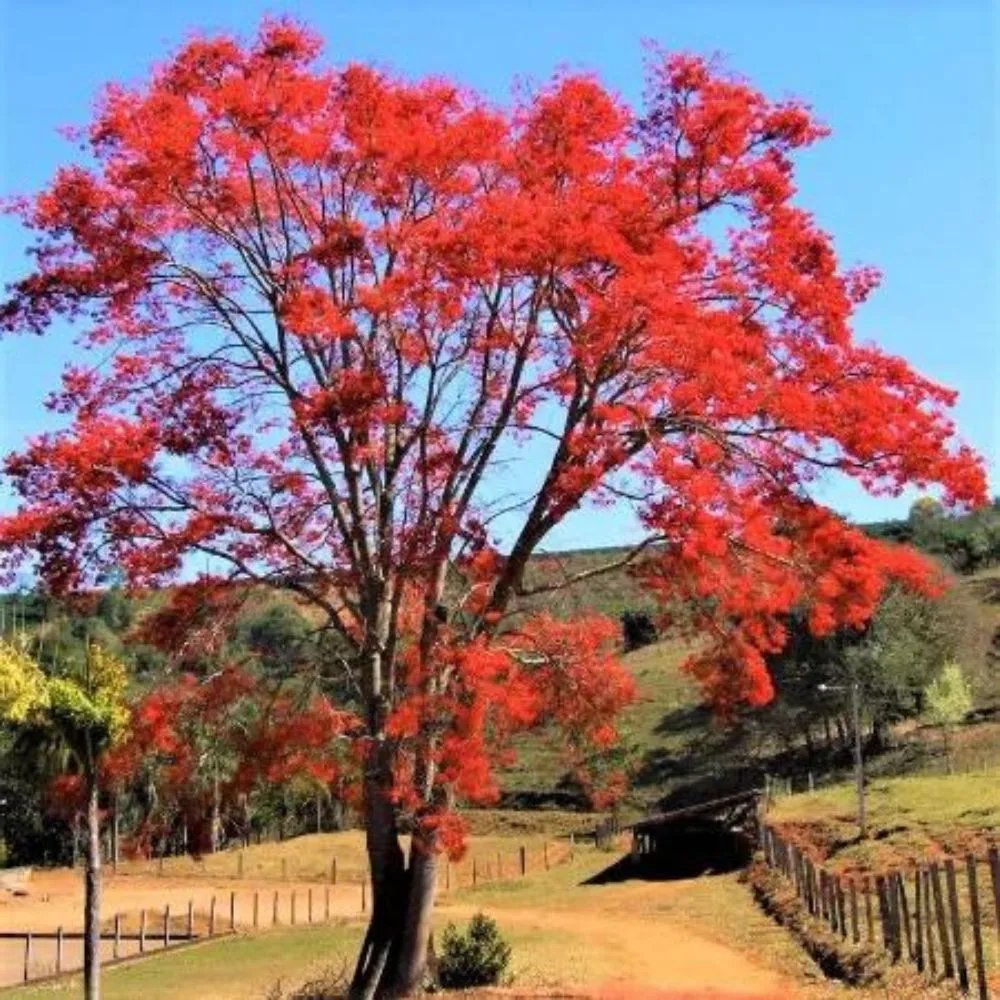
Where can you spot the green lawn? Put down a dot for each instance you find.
(911, 819)
(236, 968)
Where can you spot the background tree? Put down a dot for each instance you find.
(85, 710)
(949, 701)
(340, 304)
(906, 643)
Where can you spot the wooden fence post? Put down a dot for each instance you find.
(27, 956)
(232, 911)
(841, 907)
(855, 923)
(499, 866)
(59, 950)
(274, 912)
(883, 911)
(333, 870)
(545, 854)
(364, 895)
(524, 860)
(956, 924)
(116, 947)
(190, 920)
(942, 922)
(475, 873)
(166, 926)
(309, 905)
(904, 909)
(977, 927)
(994, 860)
(918, 917)
(293, 907)
(256, 908)
(326, 903)
(447, 874)
(142, 932)
(929, 923)
(211, 917)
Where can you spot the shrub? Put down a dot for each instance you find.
(479, 957)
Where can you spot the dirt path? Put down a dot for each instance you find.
(639, 939)
(652, 956)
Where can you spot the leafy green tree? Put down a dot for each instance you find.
(85, 710)
(949, 701)
(894, 658)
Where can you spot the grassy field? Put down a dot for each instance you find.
(911, 820)
(233, 968)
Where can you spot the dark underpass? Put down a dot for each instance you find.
(710, 838)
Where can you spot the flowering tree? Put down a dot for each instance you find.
(85, 710)
(204, 747)
(333, 305)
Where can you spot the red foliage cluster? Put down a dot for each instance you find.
(225, 735)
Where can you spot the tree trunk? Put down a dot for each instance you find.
(412, 961)
(393, 956)
(114, 833)
(92, 898)
(842, 737)
(215, 834)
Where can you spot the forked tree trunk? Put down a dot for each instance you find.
(92, 898)
(393, 956)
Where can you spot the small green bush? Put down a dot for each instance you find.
(479, 957)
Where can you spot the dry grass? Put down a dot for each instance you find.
(311, 858)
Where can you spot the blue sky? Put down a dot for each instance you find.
(907, 182)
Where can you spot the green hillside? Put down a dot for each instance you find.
(681, 753)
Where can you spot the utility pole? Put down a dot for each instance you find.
(859, 762)
(854, 688)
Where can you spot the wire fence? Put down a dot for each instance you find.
(942, 915)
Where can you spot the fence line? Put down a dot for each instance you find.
(935, 908)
